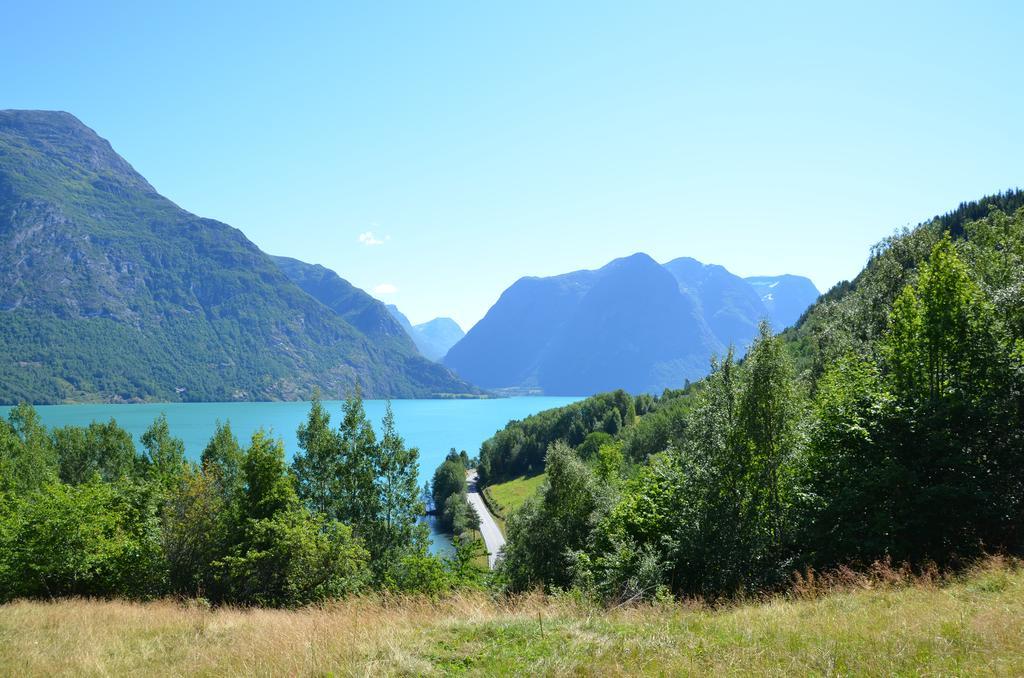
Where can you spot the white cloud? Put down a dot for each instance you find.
(368, 238)
(385, 288)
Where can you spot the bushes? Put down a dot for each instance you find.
(293, 558)
(95, 539)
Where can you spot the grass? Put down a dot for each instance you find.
(973, 625)
(504, 499)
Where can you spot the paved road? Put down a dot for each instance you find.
(493, 538)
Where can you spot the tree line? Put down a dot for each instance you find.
(888, 426)
(83, 512)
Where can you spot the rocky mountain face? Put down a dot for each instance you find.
(633, 324)
(785, 297)
(111, 292)
(434, 337)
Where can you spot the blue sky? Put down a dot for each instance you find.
(477, 142)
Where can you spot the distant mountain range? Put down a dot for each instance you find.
(111, 292)
(434, 337)
(633, 324)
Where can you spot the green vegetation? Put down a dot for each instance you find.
(83, 513)
(447, 492)
(506, 498)
(519, 448)
(879, 625)
(886, 426)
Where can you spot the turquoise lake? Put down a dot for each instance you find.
(433, 426)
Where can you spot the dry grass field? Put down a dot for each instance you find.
(886, 624)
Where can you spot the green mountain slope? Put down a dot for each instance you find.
(109, 291)
(853, 315)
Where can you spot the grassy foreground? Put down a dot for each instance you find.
(504, 499)
(871, 626)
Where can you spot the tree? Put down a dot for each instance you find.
(545, 532)
(850, 476)
(200, 522)
(592, 443)
(317, 464)
(357, 500)
(612, 422)
(268, 487)
(400, 529)
(609, 462)
(448, 491)
(164, 458)
(27, 457)
(769, 414)
(222, 460)
(953, 381)
(286, 556)
(106, 450)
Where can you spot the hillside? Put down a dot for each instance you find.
(433, 338)
(862, 627)
(632, 324)
(359, 309)
(854, 314)
(111, 292)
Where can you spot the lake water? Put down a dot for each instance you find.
(434, 426)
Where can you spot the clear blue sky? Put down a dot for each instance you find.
(479, 143)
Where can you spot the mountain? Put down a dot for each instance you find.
(785, 297)
(434, 337)
(111, 292)
(359, 309)
(730, 306)
(626, 325)
(633, 324)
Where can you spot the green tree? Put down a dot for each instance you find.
(850, 476)
(222, 460)
(609, 462)
(164, 457)
(27, 457)
(200, 522)
(357, 501)
(286, 556)
(769, 415)
(448, 491)
(269, 489)
(317, 464)
(551, 527)
(106, 450)
(952, 380)
(400, 528)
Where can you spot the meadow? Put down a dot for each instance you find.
(883, 622)
(504, 499)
